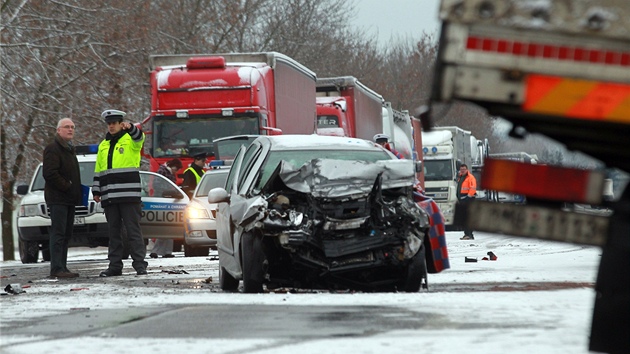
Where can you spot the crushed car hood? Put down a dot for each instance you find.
(338, 178)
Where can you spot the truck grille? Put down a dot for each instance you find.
(80, 210)
(437, 194)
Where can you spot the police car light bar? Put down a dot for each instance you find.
(86, 149)
(543, 181)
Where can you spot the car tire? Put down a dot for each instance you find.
(29, 251)
(253, 260)
(177, 245)
(227, 281)
(46, 254)
(191, 251)
(416, 274)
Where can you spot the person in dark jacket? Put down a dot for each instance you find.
(164, 246)
(170, 168)
(62, 192)
(193, 174)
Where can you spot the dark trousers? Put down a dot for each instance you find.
(467, 231)
(61, 224)
(125, 215)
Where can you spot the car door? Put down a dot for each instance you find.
(225, 242)
(163, 204)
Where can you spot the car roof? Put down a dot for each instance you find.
(308, 142)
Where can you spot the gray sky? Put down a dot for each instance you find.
(397, 18)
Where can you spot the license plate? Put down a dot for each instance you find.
(79, 220)
(537, 222)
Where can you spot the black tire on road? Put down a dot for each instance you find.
(416, 273)
(177, 245)
(191, 251)
(29, 251)
(227, 281)
(253, 260)
(46, 253)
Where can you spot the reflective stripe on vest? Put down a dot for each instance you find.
(197, 176)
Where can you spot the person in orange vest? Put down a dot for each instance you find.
(467, 187)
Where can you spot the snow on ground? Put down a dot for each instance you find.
(551, 314)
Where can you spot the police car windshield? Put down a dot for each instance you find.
(87, 175)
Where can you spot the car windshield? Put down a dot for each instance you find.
(212, 179)
(438, 170)
(87, 175)
(299, 157)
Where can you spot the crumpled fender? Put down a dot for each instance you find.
(246, 212)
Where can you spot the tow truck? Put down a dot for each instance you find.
(562, 69)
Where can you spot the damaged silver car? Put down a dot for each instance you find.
(319, 212)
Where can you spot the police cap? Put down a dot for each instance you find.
(113, 115)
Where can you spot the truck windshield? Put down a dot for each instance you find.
(327, 121)
(438, 170)
(187, 137)
(86, 169)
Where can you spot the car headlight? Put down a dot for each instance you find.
(195, 210)
(28, 210)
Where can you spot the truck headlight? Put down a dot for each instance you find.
(28, 210)
(195, 210)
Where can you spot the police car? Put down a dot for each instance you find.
(163, 205)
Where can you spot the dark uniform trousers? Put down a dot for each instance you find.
(125, 215)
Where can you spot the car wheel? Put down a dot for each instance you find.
(29, 251)
(177, 245)
(227, 281)
(416, 273)
(253, 258)
(46, 254)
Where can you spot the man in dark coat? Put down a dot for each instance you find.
(62, 192)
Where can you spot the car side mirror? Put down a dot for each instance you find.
(418, 166)
(22, 189)
(172, 193)
(218, 195)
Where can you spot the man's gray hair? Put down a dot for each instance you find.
(61, 120)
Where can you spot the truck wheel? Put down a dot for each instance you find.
(253, 258)
(29, 251)
(416, 273)
(227, 281)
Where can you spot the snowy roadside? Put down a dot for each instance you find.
(535, 297)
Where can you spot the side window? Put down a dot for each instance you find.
(157, 186)
(234, 170)
(250, 156)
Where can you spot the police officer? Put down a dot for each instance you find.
(117, 186)
(193, 174)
